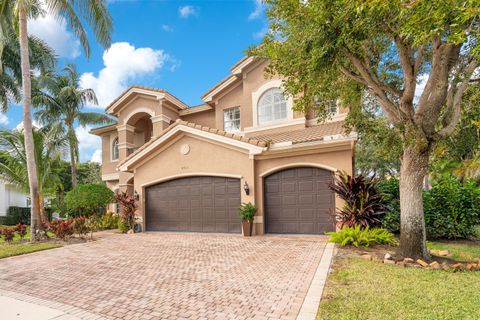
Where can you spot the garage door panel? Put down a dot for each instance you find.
(289, 200)
(305, 208)
(200, 204)
(289, 187)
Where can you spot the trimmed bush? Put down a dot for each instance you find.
(109, 221)
(88, 199)
(358, 237)
(452, 209)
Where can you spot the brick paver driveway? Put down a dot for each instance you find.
(172, 276)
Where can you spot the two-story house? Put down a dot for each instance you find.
(192, 167)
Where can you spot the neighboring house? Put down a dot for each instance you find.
(192, 167)
(11, 196)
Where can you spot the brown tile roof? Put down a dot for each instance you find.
(309, 134)
(178, 122)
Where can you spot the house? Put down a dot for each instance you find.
(11, 196)
(192, 167)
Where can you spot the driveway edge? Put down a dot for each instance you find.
(309, 308)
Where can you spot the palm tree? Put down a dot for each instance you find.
(97, 16)
(42, 58)
(61, 103)
(49, 143)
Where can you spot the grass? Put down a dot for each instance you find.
(9, 250)
(459, 251)
(361, 289)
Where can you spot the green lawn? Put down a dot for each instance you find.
(361, 289)
(9, 250)
(459, 251)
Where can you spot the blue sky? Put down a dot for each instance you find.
(183, 47)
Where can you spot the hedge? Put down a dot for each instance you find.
(451, 208)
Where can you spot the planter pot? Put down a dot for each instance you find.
(247, 228)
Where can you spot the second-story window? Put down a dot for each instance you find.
(115, 153)
(272, 106)
(231, 119)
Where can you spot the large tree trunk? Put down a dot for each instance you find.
(413, 169)
(27, 127)
(73, 162)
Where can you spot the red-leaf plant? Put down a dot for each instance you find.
(7, 234)
(21, 230)
(363, 203)
(129, 207)
(62, 229)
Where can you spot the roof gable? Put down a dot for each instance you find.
(253, 146)
(134, 90)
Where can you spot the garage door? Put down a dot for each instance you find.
(199, 204)
(298, 200)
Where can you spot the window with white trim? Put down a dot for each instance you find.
(115, 153)
(272, 106)
(332, 107)
(231, 119)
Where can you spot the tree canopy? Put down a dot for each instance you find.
(337, 49)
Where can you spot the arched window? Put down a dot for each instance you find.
(115, 149)
(272, 106)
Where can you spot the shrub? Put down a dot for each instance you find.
(7, 234)
(87, 199)
(129, 207)
(109, 221)
(363, 203)
(79, 225)
(358, 237)
(62, 229)
(21, 230)
(123, 226)
(247, 211)
(391, 190)
(451, 208)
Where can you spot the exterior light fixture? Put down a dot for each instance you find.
(246, 188)
(136, 196)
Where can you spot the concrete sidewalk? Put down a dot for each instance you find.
(17, 306)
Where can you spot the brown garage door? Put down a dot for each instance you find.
(298, 200)
(203, 204)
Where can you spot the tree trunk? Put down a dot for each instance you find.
(413, 169)
(73, 162)
(27, 127)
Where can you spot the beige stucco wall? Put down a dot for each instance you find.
(204, 118)
(108, 166)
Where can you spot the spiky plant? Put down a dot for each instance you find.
(363, 202)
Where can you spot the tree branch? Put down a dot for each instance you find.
(377, 88)
(455, 94)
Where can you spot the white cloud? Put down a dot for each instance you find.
(258, 11)
(54, 32)
(35, 124)
(187, 11)
(166, 27)
(87, 143)
(123, 63)
(3, 119)
(97, 156)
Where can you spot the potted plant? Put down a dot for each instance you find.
(247, 213)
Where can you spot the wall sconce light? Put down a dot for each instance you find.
(246, 188)
(136, 196)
